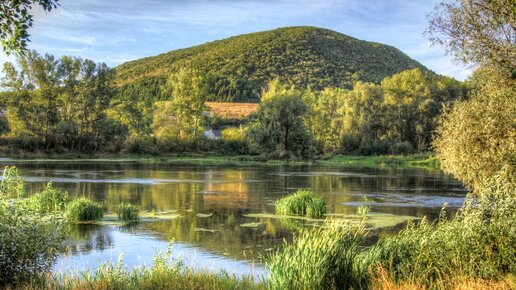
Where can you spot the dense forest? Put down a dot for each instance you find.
(238, 68)
(320, 92)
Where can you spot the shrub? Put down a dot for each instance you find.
(83, 209)
(127, 212)
(28, 243)
(50, 200)
(402, 148)
(303, 202)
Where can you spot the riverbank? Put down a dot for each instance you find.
(423, 161)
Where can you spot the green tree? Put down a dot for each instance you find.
(477, 138)
(278, 127)
(15, 21)
(477, 31)
(182, 117)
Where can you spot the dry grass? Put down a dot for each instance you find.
(232, 110)
(383, 281)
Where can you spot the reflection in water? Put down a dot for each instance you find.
(223, 195)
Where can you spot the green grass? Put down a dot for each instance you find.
(303, 203)
(83, 209)
(425, 161)
(165, 273)
(50, 200)
(127, 212)
(478, 244)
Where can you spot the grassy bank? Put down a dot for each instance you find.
(424, 161)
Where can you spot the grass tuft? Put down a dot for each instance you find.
(128, 212)
(83, 209)
(303, 202)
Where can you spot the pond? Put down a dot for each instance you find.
(222, 221)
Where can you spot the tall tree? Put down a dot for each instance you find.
(184, 111)
(278, 127)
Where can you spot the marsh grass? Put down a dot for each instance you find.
(165, 273)
(303, 202)
(50, 200)
(83, 209)
(128, 212)
(478, 245)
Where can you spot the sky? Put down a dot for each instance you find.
(118, 31)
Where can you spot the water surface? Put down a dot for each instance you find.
(212, 202)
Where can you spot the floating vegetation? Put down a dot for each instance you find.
(251, 225)
(372, 220)
(204, 215)
(301, 203)
(128, 212)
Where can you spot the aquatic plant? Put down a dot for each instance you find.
(12, 185)
(165, 273)
(83, 209)
(476, 245)
(127, 212)
(303, 202)
(50, 200)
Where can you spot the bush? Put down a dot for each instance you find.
(374, 147)
(127, 212)
(83, 209)
(303, 202)
(28, 243)
(402, 148)
(50, 200)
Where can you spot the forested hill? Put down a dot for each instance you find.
(237, 68)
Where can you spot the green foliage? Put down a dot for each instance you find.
(477, 32)
(127, 212)
(303, 202)
(238, 68)
(278, 128)
(12, 185)
(16, 20)
(50, 200)
(62, 103)
(83, 209)
(477, 138)
(28, 242)
(318, 258)
(165, 273)
(477, 243)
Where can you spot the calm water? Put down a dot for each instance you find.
(212, 202)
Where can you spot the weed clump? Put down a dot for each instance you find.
(50, 200)
(303, 202)
(83, 209)
(128, 212)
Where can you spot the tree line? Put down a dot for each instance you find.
(71, 104)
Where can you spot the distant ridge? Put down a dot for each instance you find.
(238, 67)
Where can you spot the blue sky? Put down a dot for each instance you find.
(119, 31)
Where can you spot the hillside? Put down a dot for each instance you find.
(238, 67)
